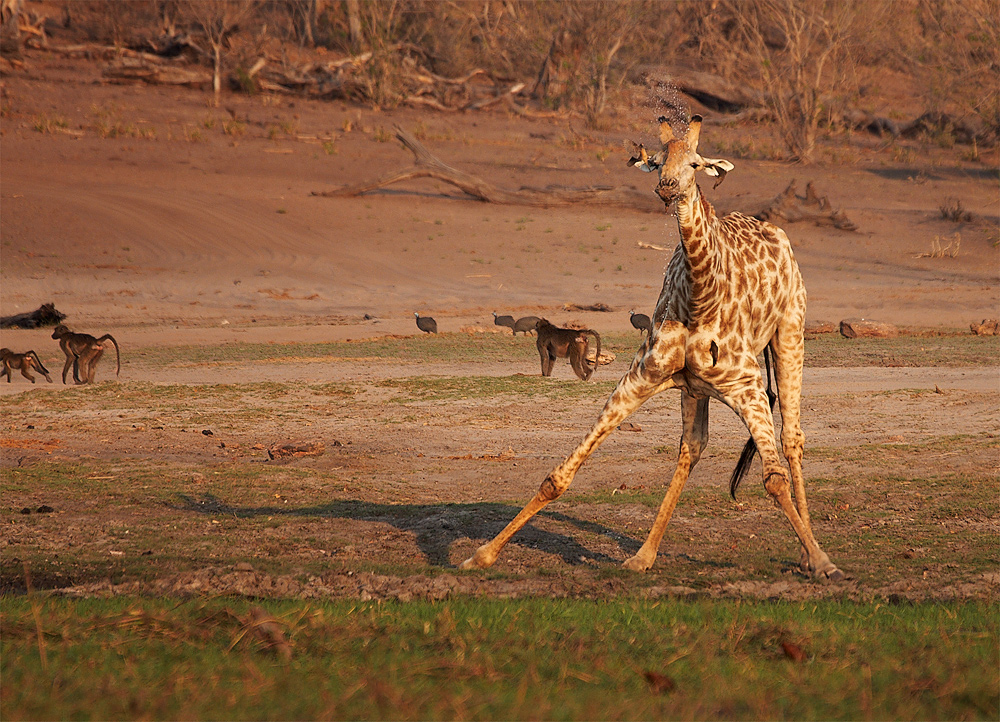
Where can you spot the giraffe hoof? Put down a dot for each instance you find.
(834, 575)
(479, 560)
(637, 564)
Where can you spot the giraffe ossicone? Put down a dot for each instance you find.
(732, 288)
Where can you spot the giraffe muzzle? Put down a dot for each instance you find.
(667, 191)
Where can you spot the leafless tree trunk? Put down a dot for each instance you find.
(10, 35)
(354, 23)
(218, 19)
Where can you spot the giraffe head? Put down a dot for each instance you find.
(677, 161)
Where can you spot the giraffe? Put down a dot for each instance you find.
(732, 288)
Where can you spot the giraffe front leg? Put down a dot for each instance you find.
(695, 417)
(634, 388)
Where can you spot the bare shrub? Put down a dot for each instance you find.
(952, 210)
(938, 250)
(956, 55)
(797, 53)
(218, 20)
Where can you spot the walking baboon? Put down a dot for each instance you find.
(83, 351)
(554, 342)
(22, 362)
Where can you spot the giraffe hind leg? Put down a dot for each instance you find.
(788, 361)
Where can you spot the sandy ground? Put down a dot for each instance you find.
(186, 230)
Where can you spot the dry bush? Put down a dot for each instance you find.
(938, 250)
(798, 54)
(952, 210)
(956, 56)
(218, 20)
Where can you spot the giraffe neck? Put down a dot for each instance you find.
(700, 237)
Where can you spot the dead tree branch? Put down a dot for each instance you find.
(428, 165)
(789, 207)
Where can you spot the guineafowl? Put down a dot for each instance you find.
(426, 324)
(507, 321)
(640, 321)
(525, 324)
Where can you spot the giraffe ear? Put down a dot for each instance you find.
(666, 132)
(694, 132)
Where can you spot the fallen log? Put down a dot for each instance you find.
(866, 328)
(712, 91)
(131, 69)
(789, 207)
(428, 165)
(44, 315)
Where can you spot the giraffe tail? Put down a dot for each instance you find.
(750, 448)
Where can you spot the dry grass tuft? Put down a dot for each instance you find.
(940, 251)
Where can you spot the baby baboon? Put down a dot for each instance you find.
(22, 362)
(83, 351)
(554, 342)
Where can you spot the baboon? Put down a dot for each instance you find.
(22, 362)
(83, 351)
(554, 342)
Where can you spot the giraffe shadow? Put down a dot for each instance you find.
(436, 526)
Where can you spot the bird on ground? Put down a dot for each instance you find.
(640, 321)
(507, 321)
(525, 324)
(426, 323)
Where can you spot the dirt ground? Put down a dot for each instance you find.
(188, 224)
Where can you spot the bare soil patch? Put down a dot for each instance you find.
(192, 236)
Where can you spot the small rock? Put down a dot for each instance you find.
(25, 510)
(207, 432)
(820, 327)
(296, 448)
(659, 683)
(629, 426)
(866, 328)
(793, 651)
(45, 509)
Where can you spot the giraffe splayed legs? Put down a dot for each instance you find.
(731, 289)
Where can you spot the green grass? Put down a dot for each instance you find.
(444, 347)
(960, 349)
(450, 388)
(258, 397)
(825, 350)
(476, 659)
